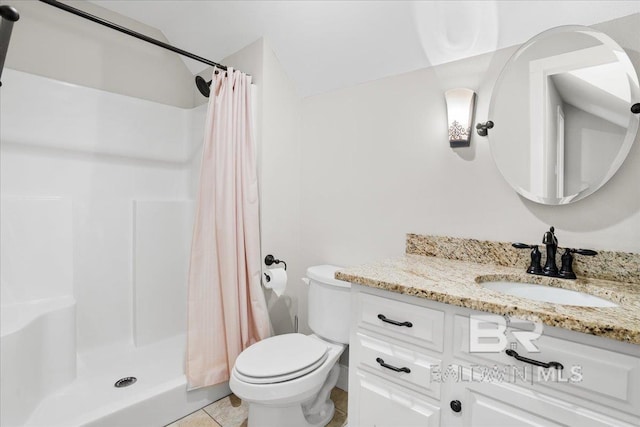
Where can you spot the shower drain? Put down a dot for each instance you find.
(125, 382)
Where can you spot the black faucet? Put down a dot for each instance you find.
(549, 239)
(550, 268)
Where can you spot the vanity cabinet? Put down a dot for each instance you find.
(410, 365)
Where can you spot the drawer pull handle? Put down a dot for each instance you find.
(394, 322)
(556, 365)
(393, 368)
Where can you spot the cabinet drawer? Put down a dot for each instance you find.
(383, 404)
(425, 328)
(374, 352)
(592, 373)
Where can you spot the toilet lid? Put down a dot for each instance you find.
(326, 274)
(281, 358)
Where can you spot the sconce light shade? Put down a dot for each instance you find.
(460, 106)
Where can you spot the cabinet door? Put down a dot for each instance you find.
(602, 376)
(384, 404)
(502, 404)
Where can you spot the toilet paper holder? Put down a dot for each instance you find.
(270, 259)
(275, 278)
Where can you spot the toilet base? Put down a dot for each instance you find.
(315, 412)
(289, 416)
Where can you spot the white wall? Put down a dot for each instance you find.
(281, 185)
(377, 164)
(56, 44)
(96, 186)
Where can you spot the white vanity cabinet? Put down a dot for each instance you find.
(410, 365)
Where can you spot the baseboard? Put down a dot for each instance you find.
(343, 378)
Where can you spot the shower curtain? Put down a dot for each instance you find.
(227, 311)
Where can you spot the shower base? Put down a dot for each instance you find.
(158, 397)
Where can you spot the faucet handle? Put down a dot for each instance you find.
(535, 267)
(523, 246)
(566, 271)
(587, 252)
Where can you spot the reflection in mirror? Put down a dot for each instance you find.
(561, 109)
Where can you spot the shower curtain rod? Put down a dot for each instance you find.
(129, 32)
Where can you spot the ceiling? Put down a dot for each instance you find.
(327, 45)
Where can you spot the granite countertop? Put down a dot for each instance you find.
(457, 282)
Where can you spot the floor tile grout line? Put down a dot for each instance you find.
(209, 415)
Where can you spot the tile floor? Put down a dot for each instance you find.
(230, 411)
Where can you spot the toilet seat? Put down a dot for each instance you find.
(280, 358)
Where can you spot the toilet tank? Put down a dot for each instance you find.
(329, 304)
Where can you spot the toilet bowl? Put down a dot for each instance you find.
(287, 379)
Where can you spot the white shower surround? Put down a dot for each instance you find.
(29, 332)
(97, 193)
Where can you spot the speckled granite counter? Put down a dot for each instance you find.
(456, 282)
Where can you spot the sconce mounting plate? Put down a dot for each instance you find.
(483, 128)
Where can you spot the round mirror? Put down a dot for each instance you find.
(562, 114)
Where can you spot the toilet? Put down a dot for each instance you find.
(287, 379)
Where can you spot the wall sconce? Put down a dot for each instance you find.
(460, 106)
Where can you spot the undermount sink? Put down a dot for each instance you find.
(547, 294)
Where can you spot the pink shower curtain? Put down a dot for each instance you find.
(227, 311)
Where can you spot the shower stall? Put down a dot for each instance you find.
(96, 219)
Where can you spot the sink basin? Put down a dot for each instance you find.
(547, 294)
